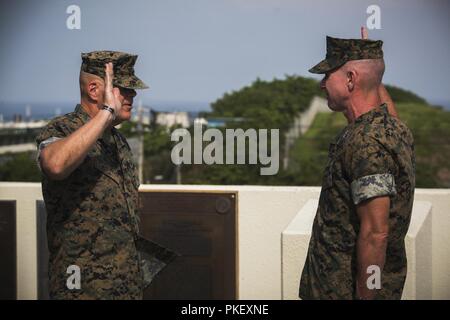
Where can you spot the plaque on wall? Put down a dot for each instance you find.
(8, 251)
(201, 227)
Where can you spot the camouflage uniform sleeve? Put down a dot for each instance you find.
(371, 168)
(50, 133)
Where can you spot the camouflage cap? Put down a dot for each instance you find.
(339, 51)
(123, 64)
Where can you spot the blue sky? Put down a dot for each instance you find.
(196, 50)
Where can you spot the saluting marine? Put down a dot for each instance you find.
(90, 188)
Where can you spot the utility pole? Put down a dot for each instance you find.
(178, 172)
(28, 113)
(177, 136)
(140, 131)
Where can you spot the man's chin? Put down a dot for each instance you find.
(333, 106)
(124, 115)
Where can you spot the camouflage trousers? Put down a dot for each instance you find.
(108, 266)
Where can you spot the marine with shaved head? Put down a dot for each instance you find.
(357, 248)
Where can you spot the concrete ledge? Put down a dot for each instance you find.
(264, 212)
(295, 241)
(418, 242)
(25, 194)
(294, 247)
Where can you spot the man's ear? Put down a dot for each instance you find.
(351, 78)
(94, 89)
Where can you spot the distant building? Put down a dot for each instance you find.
(144, 113)
(201, 121)
(222, 122)
(19, 136)
(22, 125)
(170, 119)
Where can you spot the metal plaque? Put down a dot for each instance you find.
(201, 228)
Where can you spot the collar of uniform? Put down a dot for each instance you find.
(84, 116)
(377, 111)
(107, 136)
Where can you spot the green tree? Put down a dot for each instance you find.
(20, 167)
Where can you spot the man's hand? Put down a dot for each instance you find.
(111, 95)
(364, 33)
(59, 159)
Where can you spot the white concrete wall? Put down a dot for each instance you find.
(307, 117)
(295, 242)
(263, 214)
(296, 237)
(418, 244)
(440, 199)
(25, 195)
(303, 121)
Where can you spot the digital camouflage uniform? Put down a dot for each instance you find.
(371, 157)
(92, 215)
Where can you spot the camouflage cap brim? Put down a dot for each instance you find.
(130, 82)
(326, 65)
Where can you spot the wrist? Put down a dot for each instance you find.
(106, 115)
(112, 113)
(110, 110)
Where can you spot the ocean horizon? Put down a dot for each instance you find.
(43, 110)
